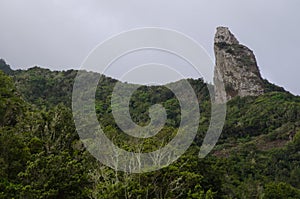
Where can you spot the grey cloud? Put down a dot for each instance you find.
(60, 34)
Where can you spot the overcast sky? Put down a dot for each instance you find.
(59, 34)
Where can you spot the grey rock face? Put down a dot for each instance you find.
(236, 66)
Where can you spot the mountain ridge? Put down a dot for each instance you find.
(42, 156)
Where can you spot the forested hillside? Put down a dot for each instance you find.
(41, 155)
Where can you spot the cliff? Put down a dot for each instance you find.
(236, 66)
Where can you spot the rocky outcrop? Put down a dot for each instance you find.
(236, 66)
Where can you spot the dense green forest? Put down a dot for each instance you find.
(41, 155)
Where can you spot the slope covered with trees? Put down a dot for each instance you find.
(41, 155)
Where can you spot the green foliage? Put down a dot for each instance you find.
(270, 87)
(259, 115)
(41, 155)
(44, 88)
(54, 176)
(280, 190)
(5, 67)
(11, 106)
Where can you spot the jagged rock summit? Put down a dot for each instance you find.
(236, 66)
